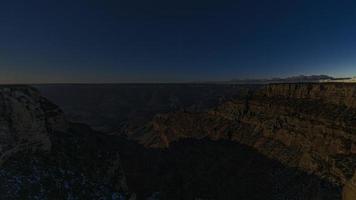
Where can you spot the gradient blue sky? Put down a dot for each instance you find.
(169, 41)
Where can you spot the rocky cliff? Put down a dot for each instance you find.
(342, 94)
(308, 126)
(42, 156)
(26, 121)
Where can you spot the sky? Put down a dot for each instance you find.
(50, 41)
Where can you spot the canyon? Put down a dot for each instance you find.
(180, 141)
(308, 126)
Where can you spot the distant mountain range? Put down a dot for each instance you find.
(294, 79)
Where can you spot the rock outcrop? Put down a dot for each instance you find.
(26, 121)
(309, 126)
(42, 156)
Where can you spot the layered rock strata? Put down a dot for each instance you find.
(309, 126)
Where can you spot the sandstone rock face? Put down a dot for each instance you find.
(26, 121)
(309, 126)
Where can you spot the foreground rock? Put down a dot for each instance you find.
(45, 157)
(26, 121)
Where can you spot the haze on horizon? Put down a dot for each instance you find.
(49, 41)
